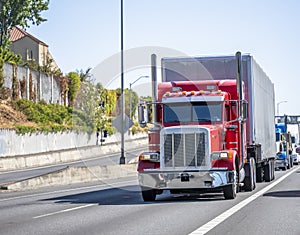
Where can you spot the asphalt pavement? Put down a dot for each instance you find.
(116, 207)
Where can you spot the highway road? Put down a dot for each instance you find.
(116, 207)
(109, 159)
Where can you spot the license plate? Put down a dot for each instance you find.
(185, 177)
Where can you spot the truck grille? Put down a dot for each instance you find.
(185, 150)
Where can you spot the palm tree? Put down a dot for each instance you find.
(85, 76)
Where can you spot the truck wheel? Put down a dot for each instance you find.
(250, 178)
(231, 190)
(289, 164)
(148, 194)
(292, 162)
(284, 168)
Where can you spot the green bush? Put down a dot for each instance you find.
(52, 118)
(22, 130)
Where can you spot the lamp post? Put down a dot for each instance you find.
(130, 94)
(278, 106)
(122, 157)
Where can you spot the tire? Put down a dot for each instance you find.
(284, 168)
(272, 169)
(292, 162)
(267, 172)
(250, 178)
(289, 163)
(231, 190)
(148, 194)
(259, 174)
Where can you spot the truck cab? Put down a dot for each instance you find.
(198, 136)
(284, 147)
(210, 130)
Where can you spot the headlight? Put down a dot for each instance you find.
(148, 156)
(220, 155)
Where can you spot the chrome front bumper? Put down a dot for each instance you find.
(281, 163)
(186, 180)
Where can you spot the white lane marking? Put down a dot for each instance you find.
(104, 186)
(64, 211)
(219, 219)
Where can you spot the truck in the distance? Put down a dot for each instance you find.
(213, 127)
(284, 147)
(287, 132)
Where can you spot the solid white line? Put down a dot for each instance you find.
(219, 219)
(63, 211)
(103, 186)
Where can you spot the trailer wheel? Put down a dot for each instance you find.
(250, 178)
(259, 174)
(148, 194)
(272, 169)
(267, 172)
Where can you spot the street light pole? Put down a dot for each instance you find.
(130, 95)
(278, 106)
(122, 157)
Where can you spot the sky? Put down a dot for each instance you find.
(86, 34)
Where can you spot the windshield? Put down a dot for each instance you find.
(193, 112)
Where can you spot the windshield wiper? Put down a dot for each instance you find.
(172, 121)
(203, 120)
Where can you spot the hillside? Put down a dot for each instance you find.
(26, 116)
(9, 116)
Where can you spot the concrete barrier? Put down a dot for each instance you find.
(71, 175)
(69, 155)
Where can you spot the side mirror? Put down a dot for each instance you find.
(141, 115)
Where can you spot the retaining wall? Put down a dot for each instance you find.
(12, 144)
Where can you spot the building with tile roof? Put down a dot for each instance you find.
(31, 48)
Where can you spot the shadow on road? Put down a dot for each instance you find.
(130, 195)
(291, 193)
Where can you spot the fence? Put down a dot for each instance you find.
(44, 87)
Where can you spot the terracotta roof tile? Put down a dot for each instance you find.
(16, 34)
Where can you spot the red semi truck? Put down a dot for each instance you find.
(213, 127)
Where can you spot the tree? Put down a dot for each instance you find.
(19, 13)
(134, 101)
(85, 76)
(74, 85)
